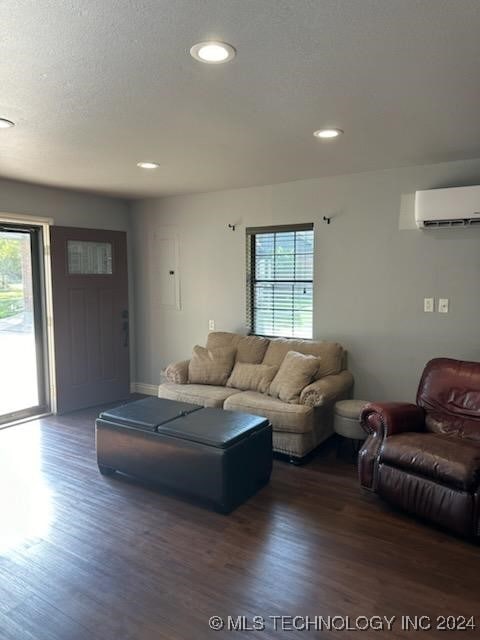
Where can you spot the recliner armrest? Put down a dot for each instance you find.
(327, 390)
(388, 418)
(177, 372)
(381, 420)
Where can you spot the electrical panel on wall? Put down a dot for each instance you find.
(164, 250)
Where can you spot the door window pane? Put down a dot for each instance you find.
(89, 258)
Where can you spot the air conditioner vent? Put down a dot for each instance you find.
(464, 222)
(448, 208)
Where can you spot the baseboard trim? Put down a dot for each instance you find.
(142, 387)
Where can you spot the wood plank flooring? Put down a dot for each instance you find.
(88, 557)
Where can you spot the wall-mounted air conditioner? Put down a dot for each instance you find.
(455, 207)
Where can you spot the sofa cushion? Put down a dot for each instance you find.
(217, 339)
(250, 349)
(210, 366)
(290, 418)
(202, 394)
(331, 354)
(452, 461)
(296, 372)
(254, 377)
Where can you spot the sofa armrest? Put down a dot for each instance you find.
(327, 390)
(177, 372)
(388, 418)
(381, 420)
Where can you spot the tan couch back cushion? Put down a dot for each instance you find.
(296, 372)
(250, 349)
(251, 377)
(330, 354)
(210, 366)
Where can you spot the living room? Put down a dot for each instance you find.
(126, 155)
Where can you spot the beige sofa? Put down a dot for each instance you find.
(298, 426)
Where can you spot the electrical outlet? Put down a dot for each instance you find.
(211, 325)
(428, 305)
(443, 305)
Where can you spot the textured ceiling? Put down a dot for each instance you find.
(97, 85)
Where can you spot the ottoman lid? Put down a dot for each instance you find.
(148, 413)
(350, 408)
(213, 427)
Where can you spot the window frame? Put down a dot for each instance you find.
(251, 281)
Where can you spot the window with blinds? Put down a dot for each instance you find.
(280, 280)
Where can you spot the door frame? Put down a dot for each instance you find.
(46, 303)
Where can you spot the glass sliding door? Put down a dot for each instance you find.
(22, 370)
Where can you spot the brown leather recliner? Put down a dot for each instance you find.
(425, 457)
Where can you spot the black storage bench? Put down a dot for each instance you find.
(221, 457)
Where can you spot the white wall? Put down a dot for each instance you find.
(66, 207)
(372, 270)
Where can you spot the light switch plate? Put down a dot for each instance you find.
(428, 305)
(211, 325)
(443, 305)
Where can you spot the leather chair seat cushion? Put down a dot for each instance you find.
(451, 461)
(451, 425)
(201, 394)
(293, 418)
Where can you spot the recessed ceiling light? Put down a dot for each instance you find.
(212, 52)
(327, 133)
(6, 124)
(148, 165)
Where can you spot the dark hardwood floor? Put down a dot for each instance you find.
(84, 556)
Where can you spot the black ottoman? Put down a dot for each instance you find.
(221, 457)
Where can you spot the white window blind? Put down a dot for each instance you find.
(280, 281)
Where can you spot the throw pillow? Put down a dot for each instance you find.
(296, 371)
(250, 349)
(254, 377)
(210, 366)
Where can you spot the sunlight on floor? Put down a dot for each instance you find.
(25, 500)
